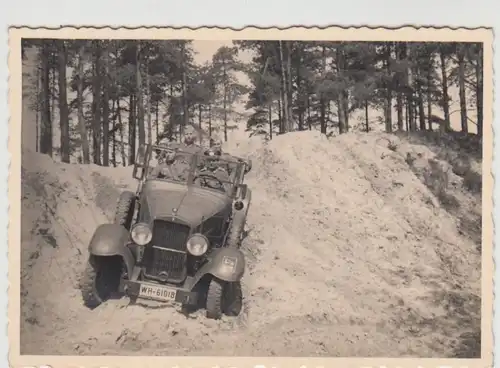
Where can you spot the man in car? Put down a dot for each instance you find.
(216, 147)
(189, 139)
(168, 168)
(211, 166)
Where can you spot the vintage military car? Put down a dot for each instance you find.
(177, 238)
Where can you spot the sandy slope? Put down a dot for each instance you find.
(349, 254)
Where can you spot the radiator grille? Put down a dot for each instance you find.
(162, 263)
(170, 235)
(167, 253)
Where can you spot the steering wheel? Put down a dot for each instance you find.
(206, 178)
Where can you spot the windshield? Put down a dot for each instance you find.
(171, 165)
(217, 172)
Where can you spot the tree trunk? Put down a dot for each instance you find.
(131, 130)
(122, 136)
(63, 102)
(429, 92)
(185, 110)
(342, 113)
(53, 92)
(461, 87)
(105, 109)
(346, 110)
(148, 105)
(290, 126)
(172, 115)
(300, 94)
(367, 117)
(46, 126)
(82, 125)
(322, 102)
(388, 103)
(199, 117)
(399, 95)
(409, 86)
(444, 81)
(281, 128)
(285, 95)
(140, 98)
(479, 90)
(157, 121)
(322, 115)
(270, 119)
(399, 109)
(96, 104)
(421, 110)
(224, 78)
(38, 105)
(210, 120)
(184, 93)
(309, 122)
(113, 141)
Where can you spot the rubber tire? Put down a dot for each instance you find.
(223, 298)
(125, 209)
(92, 297)
(215, 294)
(233, 296)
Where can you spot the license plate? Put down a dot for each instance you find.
(157, 292)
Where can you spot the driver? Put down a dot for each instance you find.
(216, 145)
(216, 148)
(212, 167)
(166, 167)
(215, 152)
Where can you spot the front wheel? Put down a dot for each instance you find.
(223, 298)
(125, 209)
(100, 280)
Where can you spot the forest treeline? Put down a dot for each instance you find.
(107, 96)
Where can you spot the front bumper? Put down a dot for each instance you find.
(158, 292)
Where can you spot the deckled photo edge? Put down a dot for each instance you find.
(332, 33)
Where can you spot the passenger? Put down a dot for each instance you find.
(189, 139)
(167, 168)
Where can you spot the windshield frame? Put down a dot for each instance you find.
(196, 160)
(178, 153)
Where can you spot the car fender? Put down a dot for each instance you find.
(110, 240)
(219, 266)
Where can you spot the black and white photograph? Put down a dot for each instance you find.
(245, 197)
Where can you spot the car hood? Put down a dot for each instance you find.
(191, 204)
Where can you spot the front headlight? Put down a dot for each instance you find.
(197, 245)
(141, 234)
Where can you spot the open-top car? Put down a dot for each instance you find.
(177, 238)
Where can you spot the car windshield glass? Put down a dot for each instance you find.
(171, 165)
(212, 163)
(182, 165)
(217, 172)
(212, 227)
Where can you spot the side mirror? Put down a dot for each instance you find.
(141, 162)
(248, 166)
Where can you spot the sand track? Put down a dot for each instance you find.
(349, 254)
